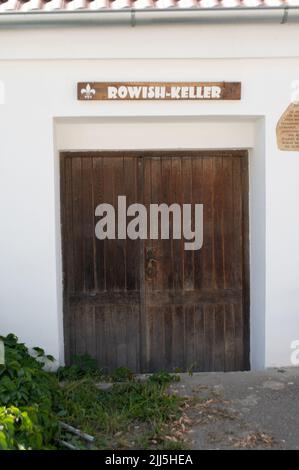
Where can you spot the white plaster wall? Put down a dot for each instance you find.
(152, 41)
(154, 132)
(41, 91)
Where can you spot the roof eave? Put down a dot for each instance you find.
(261, 14)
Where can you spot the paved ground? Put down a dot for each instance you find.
(242, 410)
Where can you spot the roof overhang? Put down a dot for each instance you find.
(39, 12)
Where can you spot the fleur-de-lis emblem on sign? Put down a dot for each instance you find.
(88, 92)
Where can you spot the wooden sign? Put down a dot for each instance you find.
(287, 130)
(150, 91)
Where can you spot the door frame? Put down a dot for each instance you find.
(171, 153)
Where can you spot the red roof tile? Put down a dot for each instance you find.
(24, 6)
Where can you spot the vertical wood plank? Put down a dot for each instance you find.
(166, 245)
(132, 246)
(178, 252)
(199, 327)
(219, 345)
(198, 198)
(229, 341)
(209, 330)
(210, 226)
(246, 261)
(190, 339)
(99, 198)
(178, 334)
(188, 255)
(77, 224)
(87, 221)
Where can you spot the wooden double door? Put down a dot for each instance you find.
(150, 304)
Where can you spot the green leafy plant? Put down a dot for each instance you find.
(83, 366)
(24, 429)
(163, 378)
(29, 398)
(122, 374)
(32, 402)
(22, 378)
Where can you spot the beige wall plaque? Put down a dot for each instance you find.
(287, 130)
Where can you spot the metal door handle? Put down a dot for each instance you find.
(150, 263)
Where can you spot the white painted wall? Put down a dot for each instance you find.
(169, 132)
(40, 69)
(152, 41)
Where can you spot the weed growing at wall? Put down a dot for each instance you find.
(128, 415)
(29, 399)
(117, 409)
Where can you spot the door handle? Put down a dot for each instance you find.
(150, 263)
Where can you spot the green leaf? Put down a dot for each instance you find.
(39, 351)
